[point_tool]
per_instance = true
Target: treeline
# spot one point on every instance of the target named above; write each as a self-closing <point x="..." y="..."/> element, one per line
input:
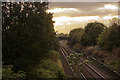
<point x="96" y="33"/>
<point x="98" y="41"/>
<point x="29" y="41"/>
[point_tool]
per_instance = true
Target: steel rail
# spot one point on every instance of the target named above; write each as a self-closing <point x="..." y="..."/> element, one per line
<point x="67" y="62"/>
<point x="73" y="62"/>
<point x="101" y="76"/>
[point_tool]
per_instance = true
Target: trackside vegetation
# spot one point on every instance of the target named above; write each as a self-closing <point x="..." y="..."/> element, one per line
<point x="98" y="41"/>
<point x="30" y="47"/>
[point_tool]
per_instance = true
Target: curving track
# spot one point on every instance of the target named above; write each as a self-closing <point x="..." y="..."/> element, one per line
<point x="88" y="70"/>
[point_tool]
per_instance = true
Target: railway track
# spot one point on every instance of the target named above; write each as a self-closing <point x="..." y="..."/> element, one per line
<point x="88" y="70"/>
<point x="67" y="63"/>
<point x="112" y="75"/>
<point x="75" y="74"/>
<point x="64" y="54"/>
<point x="109" y="75"/>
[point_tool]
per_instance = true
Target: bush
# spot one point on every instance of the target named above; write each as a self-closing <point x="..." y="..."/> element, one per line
<point x="92" y="30"/>
<point x="7" y="73"/>
<point x="89" y="50"/>
<point x="47" y="69"/>
<point x="75" y="36"/>
<point x="116" y="53"/>
<point x="54" y="55"/>
<point x="78" y="47"/>
<point x="28" y="35"/>
<point x="109" y="39"/>
<point x="95" y="52"/>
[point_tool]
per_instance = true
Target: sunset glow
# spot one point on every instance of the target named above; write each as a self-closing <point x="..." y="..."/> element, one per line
<point x="62" y="10"/>
<point x="109" y="6"/>
<point x="109" y="17"/>
<point x="68" y="17"/>
<point x="65" y="20"/>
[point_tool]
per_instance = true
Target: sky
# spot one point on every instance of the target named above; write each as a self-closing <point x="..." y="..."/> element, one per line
<point x="70" y="15"/>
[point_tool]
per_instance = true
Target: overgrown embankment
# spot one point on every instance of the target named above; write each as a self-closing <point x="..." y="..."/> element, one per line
<point x="29" y="41"/>
<point x="98" y="41"/>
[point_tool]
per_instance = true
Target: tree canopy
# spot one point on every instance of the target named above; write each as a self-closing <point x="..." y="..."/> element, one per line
<point x="28" y="34"/>
<point x="88" y="35"/>
<point x="75" y="35"/>
<point x="92" y="30"/>
<point x="109" y="39"/>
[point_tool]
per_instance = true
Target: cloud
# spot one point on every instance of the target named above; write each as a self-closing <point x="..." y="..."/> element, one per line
<point x="81" y="18"/>
<point x="109" y="17"/>
<point x="109" y="6"/>
<point x="65" y="20"/>
<point x="68" y="16"/>
<point x="57" y="23"/>
<point x="56" y="10"/>
<point x="68" y="23"/>
<point x="62" y="27"/>
<point x="84" y="9"/>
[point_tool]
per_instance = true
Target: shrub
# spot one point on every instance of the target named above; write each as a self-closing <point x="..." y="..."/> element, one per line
<point x="47" y="69"/>
<point x="75" y="36"/>
<point x="92" y="30"/>
<point x="54" y="55"/>
<point x="116" y="53"/>
<point x="7" y="73"/>
<point x="78" y="47"/>
<point x="89" y="50"/>
<point x="109" y="39"/>
<point x="95" y="52"/>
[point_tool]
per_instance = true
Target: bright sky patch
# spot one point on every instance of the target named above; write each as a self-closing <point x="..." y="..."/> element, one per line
<point x="62" y="10"/>
<point x="109" y="6"/>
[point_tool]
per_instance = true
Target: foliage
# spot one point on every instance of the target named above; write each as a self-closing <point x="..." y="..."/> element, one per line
<point x="47" y="69"/>
<point x="74" y="62"/>
<point x="61" y="35"/>
<point x="114" y="64"/>
<point x="28" y="35"/>
<point x="109" y="39"/>
<point x="88" y="35"/>
<point x="54" y="55"/>
<point x="100" y="42"/>
<point x="7" y="73"/>
<point x="92" y="30"/>
<point x="113" y="20"/>
<point x="75" y="36"/>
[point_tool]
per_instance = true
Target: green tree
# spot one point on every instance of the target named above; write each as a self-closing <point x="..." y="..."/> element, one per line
<point x="75" y="36"/>
<point x="109" y="39"/>
<point x="92" y="30"/>
<point x="28" y="34"/>
<point x="7" y="73"/>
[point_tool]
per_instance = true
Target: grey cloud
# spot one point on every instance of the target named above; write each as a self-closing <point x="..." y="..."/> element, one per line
<point x="80" y="5"/>
<point x="85" y="8"/>
<point x="88" y="13"/>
